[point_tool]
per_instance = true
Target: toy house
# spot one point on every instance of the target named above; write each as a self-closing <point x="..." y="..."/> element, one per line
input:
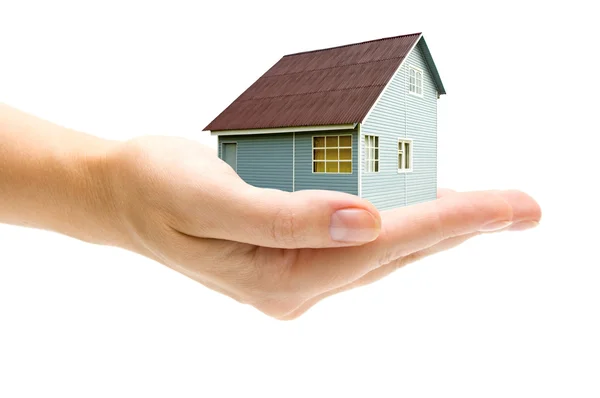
<point x="359" y="118"/>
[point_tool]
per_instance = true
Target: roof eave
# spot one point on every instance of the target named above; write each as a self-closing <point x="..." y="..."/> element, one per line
<point x="277" y="130"/>
<point x="434" y="72"/>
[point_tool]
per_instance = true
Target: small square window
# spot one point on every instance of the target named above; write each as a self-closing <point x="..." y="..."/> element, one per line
<point x="332" y="154"/>
<point x="345" y="167"/>
<point x="331" y="167"/>
<point x="345" y="141"/>
<point x="332" y="142"/>
<point x="319" y="142"/>
<point x="345" y="153"/>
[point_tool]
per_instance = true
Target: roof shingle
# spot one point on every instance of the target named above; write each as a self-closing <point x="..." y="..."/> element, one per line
<point x="337" y="85"/>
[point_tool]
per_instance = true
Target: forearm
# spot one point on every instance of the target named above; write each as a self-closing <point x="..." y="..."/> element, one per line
<point x="56" y="179"/>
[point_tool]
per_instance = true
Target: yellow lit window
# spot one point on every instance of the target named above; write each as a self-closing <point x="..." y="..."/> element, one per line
<point x="332" y="154"/>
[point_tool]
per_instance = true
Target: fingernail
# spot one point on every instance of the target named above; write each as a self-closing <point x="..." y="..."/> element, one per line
<point x="523" y="225"/>
<point x="495" y="226"/>
<point x="353" y="225"/>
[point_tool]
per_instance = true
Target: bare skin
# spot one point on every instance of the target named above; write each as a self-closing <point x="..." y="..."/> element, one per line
<point x="172" y="200"/>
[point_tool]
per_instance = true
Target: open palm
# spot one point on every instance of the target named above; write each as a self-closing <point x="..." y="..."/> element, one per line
<point x="283" y="252"/>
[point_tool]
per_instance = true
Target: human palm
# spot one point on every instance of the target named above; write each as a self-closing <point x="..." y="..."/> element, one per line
<point x="283" y="252"/>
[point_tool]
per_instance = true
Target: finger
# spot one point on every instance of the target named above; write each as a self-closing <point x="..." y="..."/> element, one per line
<point x="527" y="215"/>
<point x="410" y="229"/>
<point x="278" y="219"/>
<point x="381" y="272"/>
<point x="441" y="192"/>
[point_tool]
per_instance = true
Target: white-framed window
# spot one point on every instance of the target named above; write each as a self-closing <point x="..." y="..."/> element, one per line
<point x="332" y="154"/>
<point x="415" y="81"/>
<point x="371" y="154"/>
<point x="404" y="155"/>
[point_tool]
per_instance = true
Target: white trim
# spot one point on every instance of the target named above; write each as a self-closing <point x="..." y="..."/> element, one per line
<point x="406" y="77"/>
<point x="329" y="127"/>
<point x="411" y="157"/>
<point x="416" y="69"/>
<point x="392" y="78"/>
<point x="236" y="152"/>
<point x="377" y="159"/>
<point x="312" y="155"/>
<point x="294" y="161"/>
<point x="359" y="135"/>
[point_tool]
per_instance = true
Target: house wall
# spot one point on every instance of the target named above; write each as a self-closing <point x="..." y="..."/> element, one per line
<point x="264" y="160"/>
<point x="399" y="114"/>
<point x="306" y="179"/>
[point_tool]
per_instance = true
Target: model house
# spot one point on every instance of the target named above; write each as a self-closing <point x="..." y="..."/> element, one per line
<point x="359" y="118"/>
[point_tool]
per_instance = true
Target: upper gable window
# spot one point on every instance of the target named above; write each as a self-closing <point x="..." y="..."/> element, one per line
<point x="332" y="154"/>
<point x="415" y="82"/>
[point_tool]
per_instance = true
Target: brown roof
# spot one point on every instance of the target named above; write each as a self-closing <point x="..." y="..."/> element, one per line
<point x="331" y="86"/>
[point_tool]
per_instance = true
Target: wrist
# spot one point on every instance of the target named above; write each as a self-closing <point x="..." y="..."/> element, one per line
<point x="101" y="165"/>
<point x="90" y="195"/>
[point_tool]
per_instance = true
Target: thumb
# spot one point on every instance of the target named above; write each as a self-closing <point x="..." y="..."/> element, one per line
<point x="302" y="219"/>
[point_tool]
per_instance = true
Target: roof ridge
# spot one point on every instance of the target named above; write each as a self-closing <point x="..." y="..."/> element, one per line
<point x="333" y="67"/>
<point x="353" y="44"/>
<point x="312" y="92"/>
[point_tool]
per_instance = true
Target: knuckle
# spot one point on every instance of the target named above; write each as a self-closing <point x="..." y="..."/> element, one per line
<point x="401" y="262"/>
<point x="439" y="227"/>
<point x="284" y="227"/>
<point x="273" y="271"/>
<point x="387" y="257"/>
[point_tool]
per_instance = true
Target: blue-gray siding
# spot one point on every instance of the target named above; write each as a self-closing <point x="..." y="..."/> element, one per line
<point x="306" y="179"/>
<point x="396" y="115"/>
<point x="264" y="160"/>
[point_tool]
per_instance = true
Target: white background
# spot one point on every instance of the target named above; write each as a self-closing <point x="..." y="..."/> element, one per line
<point x="509" y="315"/>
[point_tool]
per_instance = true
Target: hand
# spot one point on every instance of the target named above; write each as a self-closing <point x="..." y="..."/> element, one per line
<point x="277" y="251"/>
